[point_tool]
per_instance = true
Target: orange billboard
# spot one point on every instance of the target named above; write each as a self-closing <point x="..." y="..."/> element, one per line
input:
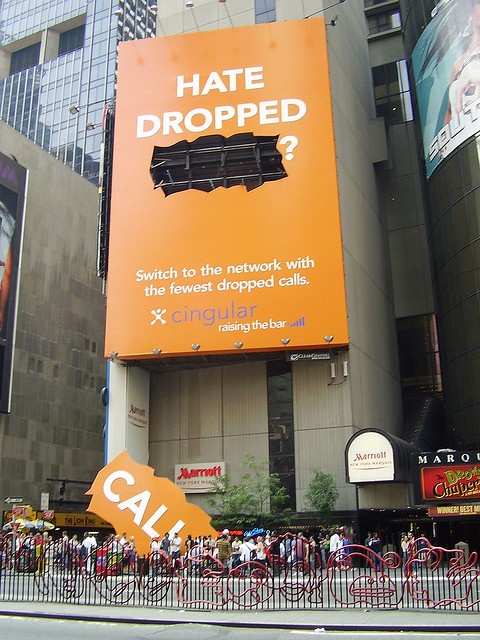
<point x="225" y="227"/>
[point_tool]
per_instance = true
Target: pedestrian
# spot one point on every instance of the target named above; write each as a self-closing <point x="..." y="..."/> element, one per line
<point x="405" y="548"/>
<point x="73" y="549"/>
<point x="64" y="548"/>
<point x="130" y="552"/>
<point x="155" y="548"/>
<point x="376" y="546"/>
<point x="188" y="544"/>
<point x="260" y="551"/>
<point x="334" y="541"/>
<point x="236" y="544"/>
<point x="165" y="543"/>
<point x="325" y="550"/>
<point x="89" y="544"/>
<point x="300" y="551"/>
<point x="312" y="552"/>
<point x="175" y="550"/>
<point x="343" y="544"/>
<point x="224" y="552"/>
<point x="288" y="548"/>
<point x="247" y="550"/>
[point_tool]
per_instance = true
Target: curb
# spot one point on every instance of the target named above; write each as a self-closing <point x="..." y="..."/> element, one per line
<point x="83" y="615"/>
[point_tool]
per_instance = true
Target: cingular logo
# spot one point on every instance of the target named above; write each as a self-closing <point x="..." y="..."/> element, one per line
<point x="206" y="316"/>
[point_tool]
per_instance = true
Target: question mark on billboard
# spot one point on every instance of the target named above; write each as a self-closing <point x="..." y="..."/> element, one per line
<point x="291" y="142"/>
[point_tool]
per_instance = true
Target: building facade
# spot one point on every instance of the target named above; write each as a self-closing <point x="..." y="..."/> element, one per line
<point x="51" y="436"/>
<point x="300" y="414"/>
<point x="57" y="71"/>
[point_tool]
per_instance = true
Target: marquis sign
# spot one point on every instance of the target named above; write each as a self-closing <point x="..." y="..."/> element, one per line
<point x="135" y="501"/>
<point x="449" y="476"/>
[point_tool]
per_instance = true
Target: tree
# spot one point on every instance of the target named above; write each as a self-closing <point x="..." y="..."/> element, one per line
<point x="322" y="494"/>
<point x="256" y="500"/>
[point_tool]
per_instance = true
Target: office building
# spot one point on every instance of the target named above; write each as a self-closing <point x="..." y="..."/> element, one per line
<point x="57" y="73"/>
<point x="215" y="403"/>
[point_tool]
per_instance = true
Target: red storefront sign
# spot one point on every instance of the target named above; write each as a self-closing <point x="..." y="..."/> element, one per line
<point x="450" y="483"/>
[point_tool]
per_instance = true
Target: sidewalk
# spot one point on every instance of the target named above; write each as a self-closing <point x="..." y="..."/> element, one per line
<point x="338" y="620"/>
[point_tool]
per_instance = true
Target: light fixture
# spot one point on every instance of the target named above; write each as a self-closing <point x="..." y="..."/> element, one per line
<point x="333" y="374"/>
<point x="75" y="108"/>
<point x="113" y="354"/>
<point x="90" y="126"/>
<point x="238" y="345"/>
<point x="189" y="4"/>
<point x="328" y="339"/>
<point x="118" y="12"/>
<point x="333" y="21"/>
<point x="156" y="352"/>
<point x="285" y="341"/>
<point x="195" y="346"/>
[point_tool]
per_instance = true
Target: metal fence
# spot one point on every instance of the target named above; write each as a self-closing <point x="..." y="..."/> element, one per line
<point x="353" y="576"/>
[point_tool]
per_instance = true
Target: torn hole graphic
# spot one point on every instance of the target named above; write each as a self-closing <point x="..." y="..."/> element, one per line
<point x="214" y="161"/>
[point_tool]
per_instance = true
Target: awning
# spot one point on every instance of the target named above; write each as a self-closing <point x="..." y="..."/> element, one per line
<point x="372" y="455"/>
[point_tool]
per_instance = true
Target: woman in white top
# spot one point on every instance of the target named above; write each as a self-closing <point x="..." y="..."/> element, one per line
<point x="261" y="555"/>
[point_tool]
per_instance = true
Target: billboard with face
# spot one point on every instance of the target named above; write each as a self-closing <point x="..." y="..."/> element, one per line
<point x="446" y="66"/>
<point x="225" y="227"/>
<point x="12" y="200"/>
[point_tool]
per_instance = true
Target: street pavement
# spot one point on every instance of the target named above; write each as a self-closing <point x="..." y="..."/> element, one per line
<point x="315" y="620"/>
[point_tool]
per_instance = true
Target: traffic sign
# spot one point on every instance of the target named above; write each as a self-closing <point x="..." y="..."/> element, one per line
<point x="13" y="500"/>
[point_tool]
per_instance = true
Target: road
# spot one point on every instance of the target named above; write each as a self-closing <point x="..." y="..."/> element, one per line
<point x="23" y="628"/>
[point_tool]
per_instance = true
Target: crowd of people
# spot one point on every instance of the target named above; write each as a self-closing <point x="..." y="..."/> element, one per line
<point x="170" y="553"/>
<point x="41" y="551"/>
<point x="297" y="550"/>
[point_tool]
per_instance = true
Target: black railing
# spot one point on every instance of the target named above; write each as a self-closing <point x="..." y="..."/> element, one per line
<point x="353" y="576"/>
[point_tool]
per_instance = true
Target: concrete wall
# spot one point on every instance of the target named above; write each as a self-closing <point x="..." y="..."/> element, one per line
<point x="217" y="414"/>
<point x="403" y="201"/>
<point x="55" y="426"/>
<point x="374" y="380"/>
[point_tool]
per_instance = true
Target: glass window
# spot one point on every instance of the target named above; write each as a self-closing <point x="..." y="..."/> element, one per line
<point x="25" y="58"/>
<point x="280" y="425"/>
<point x="71" y="40"/>
<point x="418" y="353"/>
<point x="380" y="22"/>
<point x="392" y="92"/>
<point x="265" y="11"/>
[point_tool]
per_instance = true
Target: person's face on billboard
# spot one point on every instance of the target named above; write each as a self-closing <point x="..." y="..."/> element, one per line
<point x="476" y="16"/>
